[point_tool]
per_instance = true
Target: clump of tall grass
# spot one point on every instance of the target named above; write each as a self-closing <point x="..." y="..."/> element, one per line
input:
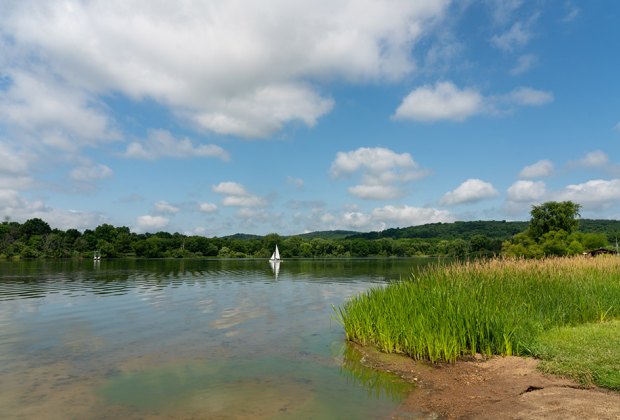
<point x="491" y="307"/>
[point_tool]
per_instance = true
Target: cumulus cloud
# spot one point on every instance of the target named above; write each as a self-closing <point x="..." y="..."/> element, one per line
<point x="596" y="194"/>
<point x="540" y="169"/>
<point x="148" y="223"/>
<point x="235" y="67"/>
<point x="444" y="101"/>
<point x="526" y="191"/>
<point x="161" y="144"/>
<point x="595" y="159"/>
<point x="207" y="207"/>
<point x="165" y="207"/>
<point x="236" y="195"/>
<point x="470" y="191"/>
<point x="91" y="172"/>
<point x="385" y="173"/>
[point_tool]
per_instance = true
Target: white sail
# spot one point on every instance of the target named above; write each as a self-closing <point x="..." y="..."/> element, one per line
<point x="276" y="255"/>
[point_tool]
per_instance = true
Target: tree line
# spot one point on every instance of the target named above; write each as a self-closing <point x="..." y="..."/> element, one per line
<point x="543" y="235"/>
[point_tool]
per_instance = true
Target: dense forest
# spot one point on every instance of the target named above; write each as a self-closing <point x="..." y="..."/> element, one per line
<point x="36" y="239"/>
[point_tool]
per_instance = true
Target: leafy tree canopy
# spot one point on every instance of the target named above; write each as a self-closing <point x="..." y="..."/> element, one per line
<point x="553" y="216"/>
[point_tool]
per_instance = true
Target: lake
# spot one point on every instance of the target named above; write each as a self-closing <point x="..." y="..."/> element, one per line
<point x="168" y="339"/>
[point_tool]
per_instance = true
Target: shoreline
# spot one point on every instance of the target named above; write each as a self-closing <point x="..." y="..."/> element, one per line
<point x="508" y="387"/>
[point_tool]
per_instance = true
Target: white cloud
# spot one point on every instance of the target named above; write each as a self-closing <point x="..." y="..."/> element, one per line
<point x="389" y="216"/>
<point x="524" y="64"/>
<point x="230" y="188"/>
<point x="527" y="96"/>
<point x="517" y="36"/>
<point x="356" y="220"/>
<point x="444" y="101"/>
<point x="55" y="114"/>
<point x="207" y="207"/>
<point x="15" y="168"/>
<point x="376" y="192"/>
<point x="526" y="191"/>
<point x="410" y="216"/>
<point x="17" y="208"/>
<point x="384" y="172"/>
<point x="16" y="182"/>
<point x="235" y="67"/>
<point x="148" y="223"/>
<point x="161" y="144"/>
<point x="243" y="201"/>
<point x="593" y="195"/>
<point x="13" y="162"/>
<point x="165" y="207"/>
<point x="540" y="169"/>
<point x="617" y="127"/>
<point x="237" y="195"/>
<point x="12" y="202"/>
<point x="470" y="191"/>
<point x="91" y="172"/>
<point x="595" y="159"/>
<point x="263" y="112"/>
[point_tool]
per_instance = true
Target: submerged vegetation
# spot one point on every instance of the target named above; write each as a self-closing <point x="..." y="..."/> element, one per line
<point x="493" y="307"/>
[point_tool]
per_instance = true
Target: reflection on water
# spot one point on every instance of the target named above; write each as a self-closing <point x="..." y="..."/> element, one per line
<point x="197" y="338"/>
<point x="275" y="267"/>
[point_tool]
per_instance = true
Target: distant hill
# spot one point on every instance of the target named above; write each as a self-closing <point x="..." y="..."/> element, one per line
<point x="324" y="234"/>
<point x="494" y="229"/>
<point x="456" y="230"/>
<point x="609" y="227"/>
<point x="327" y="234"/>
<point x="491" y="228"/>
<point x="242" y="236"/>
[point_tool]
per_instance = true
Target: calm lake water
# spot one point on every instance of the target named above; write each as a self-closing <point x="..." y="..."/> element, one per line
<point x="188" y="339"/>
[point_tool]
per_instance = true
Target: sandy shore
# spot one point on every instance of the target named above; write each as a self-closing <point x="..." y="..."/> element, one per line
<point x="498" y="388"/>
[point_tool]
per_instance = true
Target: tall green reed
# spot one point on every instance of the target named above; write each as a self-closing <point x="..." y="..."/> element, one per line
<point x="490" y="307"/>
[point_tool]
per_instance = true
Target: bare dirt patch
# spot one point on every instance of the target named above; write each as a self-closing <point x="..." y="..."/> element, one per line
<point x="501" y="387"/>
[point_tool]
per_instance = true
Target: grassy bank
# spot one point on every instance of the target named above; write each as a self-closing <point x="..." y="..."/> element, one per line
<point x="588" y="353"/>
<point x="495" y="307"/>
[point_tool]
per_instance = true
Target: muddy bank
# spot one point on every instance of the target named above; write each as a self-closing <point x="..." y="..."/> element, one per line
<point x="503" y="387"/>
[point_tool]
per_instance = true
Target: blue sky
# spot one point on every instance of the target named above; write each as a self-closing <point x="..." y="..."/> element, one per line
<point x="217" y="117"/>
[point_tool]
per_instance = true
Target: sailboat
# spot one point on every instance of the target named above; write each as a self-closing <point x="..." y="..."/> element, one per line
<point x="275" y="256"/>
<point x="274" y="262"/>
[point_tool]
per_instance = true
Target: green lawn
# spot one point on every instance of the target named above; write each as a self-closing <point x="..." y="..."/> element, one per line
<point x="588" y="353"/>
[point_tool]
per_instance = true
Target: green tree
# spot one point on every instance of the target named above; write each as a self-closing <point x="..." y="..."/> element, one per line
<point x="34" y="226"/>
<point x="553" y="216"/>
